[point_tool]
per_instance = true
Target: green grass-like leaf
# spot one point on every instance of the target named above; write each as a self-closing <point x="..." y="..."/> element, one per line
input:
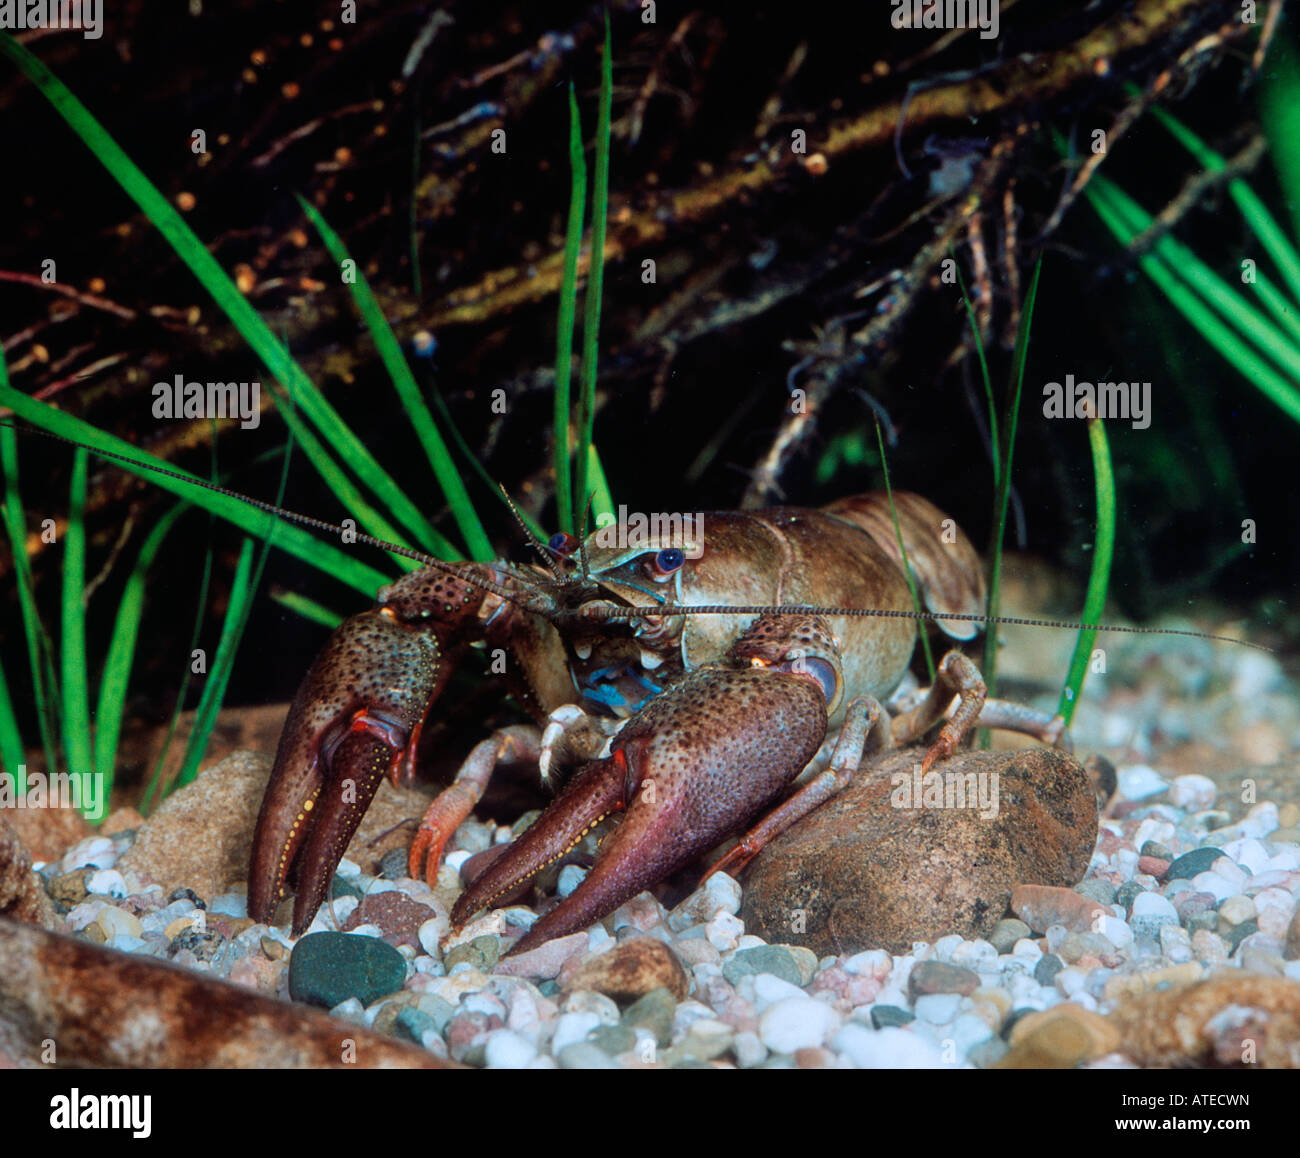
<point x="40" y="653"/>
<point x="308" y="608"/>
<point x="121" y="652"/>
<point x="243" y="317"/>
<point x="417" y="411"/>
<point x="1094" y="604"/>
<point x="1193" y="288"/>
<point x="595" y="275"/>
<point x="290" y="539"/>
<point x="72" y="635"/>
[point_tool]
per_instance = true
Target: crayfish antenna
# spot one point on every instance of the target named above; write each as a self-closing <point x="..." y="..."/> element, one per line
<point x="533" y="599"/>
<point x="610" y="611"/>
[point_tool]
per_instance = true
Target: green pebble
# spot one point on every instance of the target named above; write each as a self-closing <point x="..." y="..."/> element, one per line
<point x="1046" y="970"/>
<point x="1237" y="933"/>
<point x="612" y="1039"/>
<point x="1156" y="849"/>
<point x="1100" y="891"/>
<point x="887" y="1016"/>
<point x="762" y="959"/>
<point x="1189" y="864"/>
<point x="654" y="1012"/>
<point x="342" y="887"/>
<point x="482" y="952"/>
<point x="1006" y="933"/>
<point x="326" y="969"/>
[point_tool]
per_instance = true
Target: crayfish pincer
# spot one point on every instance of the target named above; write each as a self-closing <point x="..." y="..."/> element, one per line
<point x="689" y="685"/>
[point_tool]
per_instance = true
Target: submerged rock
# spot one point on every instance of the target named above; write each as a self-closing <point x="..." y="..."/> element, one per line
<point x="864" y="871"/>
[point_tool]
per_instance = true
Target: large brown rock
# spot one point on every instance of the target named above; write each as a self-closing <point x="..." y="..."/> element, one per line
<point x="869" y="871"/>
<point x="202" y="835"/>
<point x="64" y="1001"/>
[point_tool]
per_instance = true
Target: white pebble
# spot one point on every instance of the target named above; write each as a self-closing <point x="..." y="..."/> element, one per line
<point x="1027" y="947"/>
<point x="455" y="859"/>
<point x="720" y="893"/>
<point x="1193" y="792"/>
<point x="430" y="933"/>
<point x="887" y="1049"/>
<point x="943" y="948"/>
<point x="967" y="1032"/>
<point x="1249" y="852"/>
<point x="1153" y="905"/>
<point x="236" y="904"/>
<point x="106" y="882"/>
<point x="770" y="989"/>
<point x="571" y="1027"/>
<point x="724" y="930"/>
<point x="1230" y="870"/>
<point x="1138" y="781"/>
<point x="749" y="1050"/>
<point x="571" y="876"/>
<point x="506" y="1049"/>
<point x="937" y="1008"/>
<point x="796" y="1023"/>
<point x="872" y="963"/>
<point x="79" y="916"/>
<point x="1214" y="884"/>
<point x="93" y="852"/>
<point x="1116" y="931"/>
<point x="351" y="1010"/>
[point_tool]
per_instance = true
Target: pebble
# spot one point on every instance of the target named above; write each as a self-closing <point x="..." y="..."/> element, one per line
<point x="749" y="1049"/>
<point x="769" y="959"/>
<point x="724" y="931"/>
<point x="1046" y="970"/>
<point x="1139" y="782"/>
<point x="117" y="922"/>
<point x="885" y="1049"/>
<point x="1236" y="910"/>
<point x="572" y="1027"/>
<point x="1193" y="792"/>
<point x="505" y="1049"/>
<point x="937" y="1008"/>
<point x="571" y="876"/>
<point x="1191" y="864"/>
<point x="719" y="894"/>
<point x="933" y="977"/>
<point x="654" y="1012"/>
<point x="481" y="953"/>
<point x="328" y="968"/>
<point x="585" y="1055"/>
<point x="796" y="1023"/>
<point x="885" y="1016"/>
<point x="632" y="969"/>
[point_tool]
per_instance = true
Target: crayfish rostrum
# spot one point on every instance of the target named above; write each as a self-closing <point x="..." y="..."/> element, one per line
<point x="693" y="683"/>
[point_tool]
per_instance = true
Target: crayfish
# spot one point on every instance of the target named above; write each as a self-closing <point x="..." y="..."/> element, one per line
<point x="691" y="684"/>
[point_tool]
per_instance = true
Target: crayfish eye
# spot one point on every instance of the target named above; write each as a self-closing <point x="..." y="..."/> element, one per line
<point x="666" y="562"/>
<point x="562" y="543"/>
